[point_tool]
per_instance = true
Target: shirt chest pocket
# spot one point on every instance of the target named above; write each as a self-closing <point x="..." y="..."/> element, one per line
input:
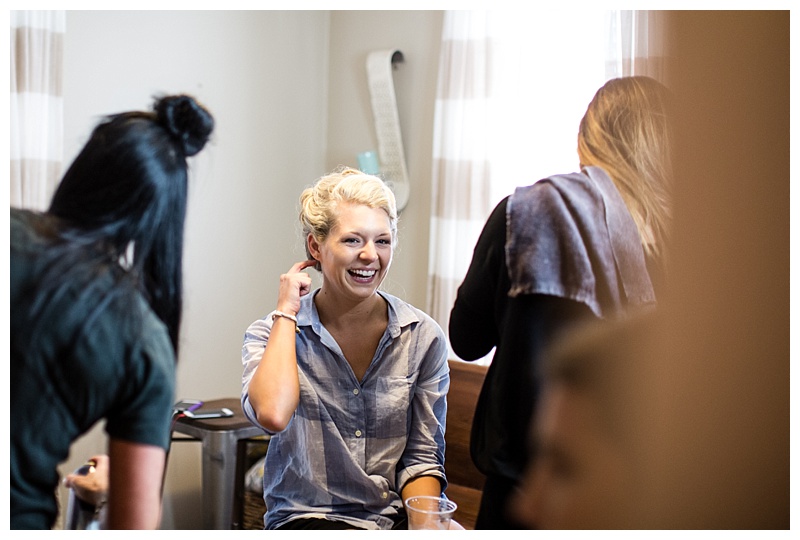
<point x="392" y="399"/>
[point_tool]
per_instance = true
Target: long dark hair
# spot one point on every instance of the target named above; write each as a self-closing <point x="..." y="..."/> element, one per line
<point x="120" y="210"/>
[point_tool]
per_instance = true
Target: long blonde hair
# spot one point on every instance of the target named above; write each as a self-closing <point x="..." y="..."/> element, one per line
<point x="626" y="132"/>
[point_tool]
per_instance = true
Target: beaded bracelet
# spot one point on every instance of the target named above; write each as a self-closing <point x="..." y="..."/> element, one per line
<point x="286" y="316"/>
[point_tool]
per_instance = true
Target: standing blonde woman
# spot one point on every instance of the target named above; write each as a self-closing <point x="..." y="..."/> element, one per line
<point x="350" y="381"/>
<point x="568" y="248"/>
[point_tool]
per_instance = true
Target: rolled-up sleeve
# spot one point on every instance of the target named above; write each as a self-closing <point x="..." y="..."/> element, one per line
<point x="255" y="341"/>
<point x="424" y="452"/>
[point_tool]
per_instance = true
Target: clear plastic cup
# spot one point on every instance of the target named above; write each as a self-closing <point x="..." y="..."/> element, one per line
<point x="429" y="513"/>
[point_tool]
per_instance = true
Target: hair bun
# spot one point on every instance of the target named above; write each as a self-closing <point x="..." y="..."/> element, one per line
<point x="186" y="120"/>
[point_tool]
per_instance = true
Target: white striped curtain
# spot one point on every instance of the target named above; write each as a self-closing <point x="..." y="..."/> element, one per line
<point x="460" y="176"/>
<point x="36" y="115"/>
<point x="499" y="69"/>
<point x="636" y="44"/>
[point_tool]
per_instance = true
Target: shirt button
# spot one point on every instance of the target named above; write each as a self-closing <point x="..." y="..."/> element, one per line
<point x="358" y="433"/>
<point x="355" y="391"/>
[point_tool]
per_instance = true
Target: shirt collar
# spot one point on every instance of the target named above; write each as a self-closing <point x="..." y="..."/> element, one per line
<point x="401" y="314"/>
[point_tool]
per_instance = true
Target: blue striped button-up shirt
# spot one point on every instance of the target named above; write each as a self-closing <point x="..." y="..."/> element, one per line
<point x="351" y="446"/>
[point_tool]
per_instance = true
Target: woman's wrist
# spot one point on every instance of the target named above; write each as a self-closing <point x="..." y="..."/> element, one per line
<point x="278" y="314"/>
<point x="287" y="308"/>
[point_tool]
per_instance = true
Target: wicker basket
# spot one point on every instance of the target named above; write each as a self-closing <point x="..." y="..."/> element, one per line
<point x="253" y="506"/>
<point x="253" y="511"/>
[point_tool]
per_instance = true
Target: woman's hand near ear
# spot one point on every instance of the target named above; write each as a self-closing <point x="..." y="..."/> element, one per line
<point x="294" y="284"/>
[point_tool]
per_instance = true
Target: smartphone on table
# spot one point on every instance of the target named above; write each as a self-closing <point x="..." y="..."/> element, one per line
<point x="222" y="412"/>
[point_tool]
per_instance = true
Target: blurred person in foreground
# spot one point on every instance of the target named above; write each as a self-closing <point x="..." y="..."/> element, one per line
<point x="680" y="418"/>
<point x="96" y="296"/>
<point x="584" y="436"/>
<point x="568" y="248"/>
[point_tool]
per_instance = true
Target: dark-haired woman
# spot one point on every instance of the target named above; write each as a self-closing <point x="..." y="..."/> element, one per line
<point x="96" y="293"/>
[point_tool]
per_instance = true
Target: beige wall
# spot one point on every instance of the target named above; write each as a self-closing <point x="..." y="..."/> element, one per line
<point x="354" y="34"/>
<point x="290" y="104"/>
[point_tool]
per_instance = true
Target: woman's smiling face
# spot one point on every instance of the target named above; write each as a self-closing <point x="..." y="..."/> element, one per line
<point x="357" y="253"/>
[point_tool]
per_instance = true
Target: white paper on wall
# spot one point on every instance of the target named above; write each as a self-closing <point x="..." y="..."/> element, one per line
<point x="387" y="122"/>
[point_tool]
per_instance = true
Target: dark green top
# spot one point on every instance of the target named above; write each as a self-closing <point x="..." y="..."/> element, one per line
<point x="76" y="374"/>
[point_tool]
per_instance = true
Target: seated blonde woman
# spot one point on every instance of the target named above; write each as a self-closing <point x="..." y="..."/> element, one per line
<point x="350" y="381"/>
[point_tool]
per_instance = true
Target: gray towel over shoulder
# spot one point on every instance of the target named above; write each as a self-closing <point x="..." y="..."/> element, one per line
<point x="572" y="236"/>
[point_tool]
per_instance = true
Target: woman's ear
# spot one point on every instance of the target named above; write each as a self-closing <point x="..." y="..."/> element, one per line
<point x="312" y="248"/>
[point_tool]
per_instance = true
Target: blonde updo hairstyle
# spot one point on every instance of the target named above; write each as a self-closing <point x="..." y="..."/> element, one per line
<point x="319" y="203"/>
<point x="626" y="132"/>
